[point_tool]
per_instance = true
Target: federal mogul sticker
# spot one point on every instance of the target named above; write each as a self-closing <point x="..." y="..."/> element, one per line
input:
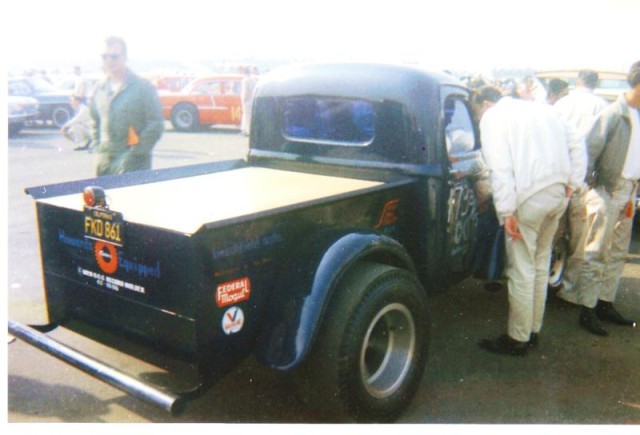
<point x="232" y="292"/>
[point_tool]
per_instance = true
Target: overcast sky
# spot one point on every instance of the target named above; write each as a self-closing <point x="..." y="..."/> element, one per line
<point x="455" y="34"/>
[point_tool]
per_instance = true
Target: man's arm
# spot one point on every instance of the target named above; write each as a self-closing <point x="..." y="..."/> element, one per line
<point x="595" y="143"/>
<point x="496" y="153"/>
<point x="578" y="158"/>
<point x="153" y="126"/>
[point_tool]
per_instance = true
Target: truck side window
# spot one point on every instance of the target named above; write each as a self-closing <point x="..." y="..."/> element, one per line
<point x="458" y="125"/>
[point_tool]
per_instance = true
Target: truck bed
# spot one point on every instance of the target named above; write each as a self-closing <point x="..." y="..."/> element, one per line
<point x="220" y="196"/>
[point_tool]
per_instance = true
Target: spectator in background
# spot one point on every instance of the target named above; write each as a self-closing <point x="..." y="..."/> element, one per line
<point x="80" y="87"/>
<point x="579" y="110"/>
<point x="78" y="128"/>
<point x="533" y="163"/>
<point x="613" y="145"/>
<point x="556" y="89"/>
<point x="127" y="115"/>
<point x="249" y="83"/>
<point x="527" y="89"/>
<point x="509" y="88"/>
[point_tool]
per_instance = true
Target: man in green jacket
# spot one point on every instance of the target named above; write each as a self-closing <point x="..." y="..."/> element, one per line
<point x="612" y="173"/>
<point x="127" y="115"/>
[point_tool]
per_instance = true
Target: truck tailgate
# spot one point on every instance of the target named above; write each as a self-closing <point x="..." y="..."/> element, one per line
<point x="219" y="196"/>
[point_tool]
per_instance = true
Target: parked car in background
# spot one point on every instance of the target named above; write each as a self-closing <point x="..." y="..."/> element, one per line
<point x="20" y="110"/>
<point x="53" y="103"/>
<point x="68" y="83"/>
<point x="212" y="100"/>
<point x="611" y="83"/>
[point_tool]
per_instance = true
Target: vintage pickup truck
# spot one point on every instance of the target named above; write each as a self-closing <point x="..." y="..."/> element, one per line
<point x="315" y="254"/>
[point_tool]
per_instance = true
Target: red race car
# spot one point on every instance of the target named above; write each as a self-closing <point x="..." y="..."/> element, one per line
<point x="205" y="101"/>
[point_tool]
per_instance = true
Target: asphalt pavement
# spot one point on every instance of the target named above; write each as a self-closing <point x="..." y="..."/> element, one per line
<point x="572" y="378"/>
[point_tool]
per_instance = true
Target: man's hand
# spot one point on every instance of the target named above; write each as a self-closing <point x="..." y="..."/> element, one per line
<point x="569" y="191"/>
<point x="511" y="227"/>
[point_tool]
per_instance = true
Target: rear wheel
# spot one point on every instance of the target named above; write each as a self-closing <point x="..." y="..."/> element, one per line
<point x="370" y="355"/>
<point x="184" y="117"/>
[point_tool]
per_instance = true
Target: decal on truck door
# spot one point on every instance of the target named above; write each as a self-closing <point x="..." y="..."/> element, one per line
<point x="389" y="215"/>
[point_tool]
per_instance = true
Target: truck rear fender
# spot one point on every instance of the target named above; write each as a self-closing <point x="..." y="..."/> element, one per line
<point x="294" y="322"/>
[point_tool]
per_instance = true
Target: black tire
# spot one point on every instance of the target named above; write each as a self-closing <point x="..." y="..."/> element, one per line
<point x="60" y="115"/>
<point x="370" y="354"/>
<point x="184" y="117"/>
<point x="559" y="256"/>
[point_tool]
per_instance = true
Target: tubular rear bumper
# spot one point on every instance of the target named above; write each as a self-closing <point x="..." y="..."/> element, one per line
<point x="171" y="402"/>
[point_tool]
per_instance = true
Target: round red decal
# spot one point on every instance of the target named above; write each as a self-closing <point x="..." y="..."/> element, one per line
<point x="106" y="257"/>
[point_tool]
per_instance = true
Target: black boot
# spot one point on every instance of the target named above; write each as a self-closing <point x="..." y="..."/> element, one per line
<point x="589" y="321"/>
<point x="606" y="312"/>
<point x="505" y="345"/>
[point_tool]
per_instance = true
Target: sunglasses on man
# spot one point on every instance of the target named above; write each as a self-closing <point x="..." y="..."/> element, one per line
<point x="111" y="57"/>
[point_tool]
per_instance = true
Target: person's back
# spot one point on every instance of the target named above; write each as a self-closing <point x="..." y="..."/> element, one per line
<point x="529" y="146"/>
<point x="579" y="109"/>
<point x="532" y="160"/>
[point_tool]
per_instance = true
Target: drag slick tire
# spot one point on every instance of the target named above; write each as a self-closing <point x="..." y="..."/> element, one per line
<point x="371" y="351"/>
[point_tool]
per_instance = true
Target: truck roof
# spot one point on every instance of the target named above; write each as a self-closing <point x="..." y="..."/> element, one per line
<point x="376" y="81"/>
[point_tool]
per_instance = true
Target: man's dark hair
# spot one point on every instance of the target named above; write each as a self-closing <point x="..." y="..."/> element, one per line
<point x="589" y="78"/>
<point x="556" y="86"/>
<point x="634" y="75"/>
<point x="487" y="93"/>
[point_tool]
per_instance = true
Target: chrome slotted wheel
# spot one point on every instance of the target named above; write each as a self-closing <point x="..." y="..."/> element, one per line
<point x="388" y="350"/>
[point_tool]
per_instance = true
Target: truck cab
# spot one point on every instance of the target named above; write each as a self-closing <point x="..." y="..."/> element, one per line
<point x="391" y="120"/>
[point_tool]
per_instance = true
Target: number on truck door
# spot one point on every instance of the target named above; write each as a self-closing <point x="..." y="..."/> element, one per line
<point x="465" y="165"/>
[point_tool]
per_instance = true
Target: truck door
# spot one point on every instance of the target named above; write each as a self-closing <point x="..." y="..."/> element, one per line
<point x="466" y="169"/>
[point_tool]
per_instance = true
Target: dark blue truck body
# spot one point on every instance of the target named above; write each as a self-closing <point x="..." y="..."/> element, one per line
<point x="351" y="177"/>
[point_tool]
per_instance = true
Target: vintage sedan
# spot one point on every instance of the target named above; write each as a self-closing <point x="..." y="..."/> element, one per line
<point x="54" y="104"/>
<point x="207" y="101"/>
<point x="21" y="110"/>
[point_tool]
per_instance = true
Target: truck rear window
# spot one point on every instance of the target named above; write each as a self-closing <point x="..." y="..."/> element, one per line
<point x="330" y="121"/>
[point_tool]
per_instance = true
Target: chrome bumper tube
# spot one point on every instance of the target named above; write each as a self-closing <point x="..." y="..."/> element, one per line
<point x="170" y="402"/>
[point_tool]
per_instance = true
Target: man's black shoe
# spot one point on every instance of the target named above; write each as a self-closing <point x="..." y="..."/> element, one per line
<point x="81" y="148"/>
<point x="534" y="339"/>
<point x="505" y="345"/>
<point x="589" y="321"/>
<point x="606" y="312"/>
